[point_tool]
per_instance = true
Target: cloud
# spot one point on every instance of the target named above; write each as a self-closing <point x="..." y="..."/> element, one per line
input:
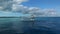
<point x="7" y="4"/>
<point x="34" y="10"/>
<point x="16" y="6"/>
<point x="50" y="12"/>
<point x="19" y="1"/>
<point x="20" y="8"/>
<point x="42" y="12"/>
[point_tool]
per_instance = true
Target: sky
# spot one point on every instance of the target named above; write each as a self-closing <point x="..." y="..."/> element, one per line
<point x="43" y="3"/>
<point x="36" y="7"/>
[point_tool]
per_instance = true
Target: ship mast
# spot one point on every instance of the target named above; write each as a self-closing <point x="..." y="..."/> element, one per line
<point x="32" y="19"/>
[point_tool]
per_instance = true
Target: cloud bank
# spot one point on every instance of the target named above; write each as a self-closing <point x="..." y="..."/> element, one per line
<point x="8" y="4"/>
<point x="5" y="4"/>
<point x="16" y="6"/>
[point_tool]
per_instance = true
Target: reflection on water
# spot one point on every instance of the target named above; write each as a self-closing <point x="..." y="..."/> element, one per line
<point x="39" y="26"/>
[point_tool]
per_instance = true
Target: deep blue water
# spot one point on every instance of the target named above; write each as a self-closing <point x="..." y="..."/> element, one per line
<point x="41" y="25"/>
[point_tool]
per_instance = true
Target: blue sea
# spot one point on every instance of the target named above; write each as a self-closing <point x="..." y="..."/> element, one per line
<point x="41" y="25"/>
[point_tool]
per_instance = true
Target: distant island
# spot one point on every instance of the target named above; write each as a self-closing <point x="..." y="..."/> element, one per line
<point x="9" y="17"/>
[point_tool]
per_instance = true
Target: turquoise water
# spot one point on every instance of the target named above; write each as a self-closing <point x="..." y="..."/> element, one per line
<point x="7" y="22"/>
<point x="41" y="25"/>
<point x="12" y="25"/>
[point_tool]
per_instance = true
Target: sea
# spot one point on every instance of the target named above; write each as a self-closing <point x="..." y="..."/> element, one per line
<point x="40" y="25"/>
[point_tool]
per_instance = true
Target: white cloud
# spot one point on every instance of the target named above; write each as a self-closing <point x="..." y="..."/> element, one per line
<point x="19" y="1"/>
<point x="42" y="12"/>
<point x="50" y="12"/>
<point x="15" y="5"/>
<point x="1" y="8"/>
<point x="34" y="10"/>
<point x="20" y="8"/>
<point x="7" y="4"/>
